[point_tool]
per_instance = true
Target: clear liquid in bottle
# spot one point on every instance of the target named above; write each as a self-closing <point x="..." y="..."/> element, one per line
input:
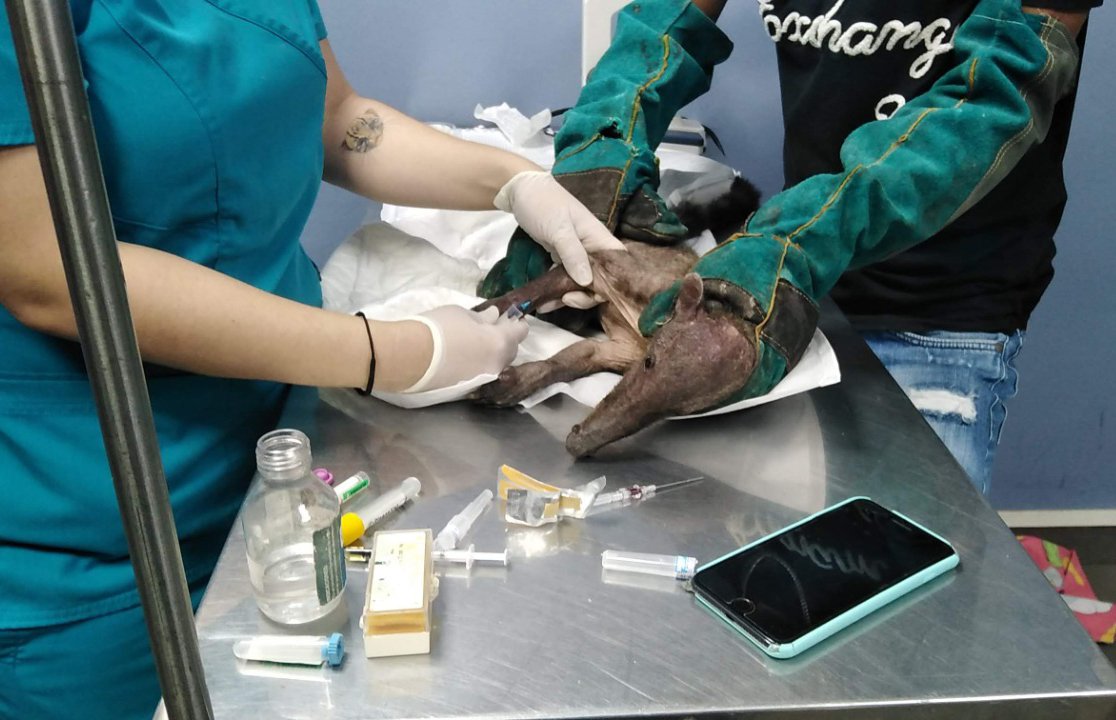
<point x="292" y="533"/>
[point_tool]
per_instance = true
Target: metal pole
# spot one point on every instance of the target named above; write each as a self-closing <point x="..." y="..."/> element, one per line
<point x="43" y="32"/>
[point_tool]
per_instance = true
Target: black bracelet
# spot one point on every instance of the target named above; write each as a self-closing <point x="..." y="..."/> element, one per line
<point x="371" y="363"/>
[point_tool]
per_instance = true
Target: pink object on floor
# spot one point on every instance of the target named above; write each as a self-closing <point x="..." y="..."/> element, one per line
<point x="1062" y="568"/>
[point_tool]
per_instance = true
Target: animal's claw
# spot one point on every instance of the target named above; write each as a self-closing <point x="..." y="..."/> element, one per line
<point x="505" y="391"/>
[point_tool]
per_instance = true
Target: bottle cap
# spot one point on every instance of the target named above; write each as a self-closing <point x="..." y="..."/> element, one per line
<point x="324" y="475"/>
<point x="334" y="650"/>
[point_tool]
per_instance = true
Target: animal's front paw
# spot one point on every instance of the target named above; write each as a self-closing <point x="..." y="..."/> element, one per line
<point x="505" y="391"/>
<point x="518" y="382"/>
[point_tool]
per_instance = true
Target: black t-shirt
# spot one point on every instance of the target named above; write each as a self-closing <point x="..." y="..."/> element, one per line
<point x="843" y="63"/>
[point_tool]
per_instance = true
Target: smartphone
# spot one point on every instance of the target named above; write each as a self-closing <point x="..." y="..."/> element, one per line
<point x="792" y="589"/>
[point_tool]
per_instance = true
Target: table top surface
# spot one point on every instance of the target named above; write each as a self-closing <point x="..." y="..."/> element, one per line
<point x="553" y="635"/>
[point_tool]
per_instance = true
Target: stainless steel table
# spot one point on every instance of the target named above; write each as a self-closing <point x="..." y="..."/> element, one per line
<point x="553" y="636"/>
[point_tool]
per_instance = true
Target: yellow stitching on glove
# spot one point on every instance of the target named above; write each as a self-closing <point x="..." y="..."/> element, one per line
<point x="644" y="86"/>
<point x="579" y="148"/>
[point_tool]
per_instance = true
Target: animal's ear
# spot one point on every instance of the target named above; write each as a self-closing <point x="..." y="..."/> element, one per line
<point x="690" y="295"/>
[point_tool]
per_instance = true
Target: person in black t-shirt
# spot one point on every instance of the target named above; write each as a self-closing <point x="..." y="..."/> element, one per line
<point x="948" y="316"/>
<point x="923" y="153"/>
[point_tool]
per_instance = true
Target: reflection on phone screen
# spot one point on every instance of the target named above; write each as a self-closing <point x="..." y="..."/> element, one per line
<point x="800" y="579"/>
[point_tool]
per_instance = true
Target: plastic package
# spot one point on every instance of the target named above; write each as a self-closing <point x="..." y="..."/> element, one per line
<point x="534" y="503"/>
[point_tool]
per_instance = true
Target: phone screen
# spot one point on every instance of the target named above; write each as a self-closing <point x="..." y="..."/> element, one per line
<point x="797" y="580"/>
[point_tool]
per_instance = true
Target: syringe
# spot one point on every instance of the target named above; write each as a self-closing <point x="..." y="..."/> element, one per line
<point x="637" y="492"/>
<point x="460" y="523"/>
<point x="468" y="556"/>
<point x="680" y="567"/>
<point x="292" y="649"/>
<point x="365" y="515"/>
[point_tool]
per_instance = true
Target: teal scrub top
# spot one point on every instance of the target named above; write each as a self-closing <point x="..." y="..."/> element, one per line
<point x="208" y="118"/>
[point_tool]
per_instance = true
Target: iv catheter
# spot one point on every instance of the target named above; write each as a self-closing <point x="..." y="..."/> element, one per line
<point x="365" y="515"/>
<point x="460" y="523"/>
<point x="517" y="311"/>
<point x="637" y="492"/>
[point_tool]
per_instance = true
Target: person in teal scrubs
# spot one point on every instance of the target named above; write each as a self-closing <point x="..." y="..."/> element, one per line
<point x="216" y="122"/>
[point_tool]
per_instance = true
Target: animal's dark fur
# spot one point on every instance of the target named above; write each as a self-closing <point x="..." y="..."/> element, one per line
<point x="724" y="214"/>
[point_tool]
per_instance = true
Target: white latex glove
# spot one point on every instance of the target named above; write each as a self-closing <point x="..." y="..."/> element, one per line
<point x="557" y="221"/>
<point x="467" y="344"/>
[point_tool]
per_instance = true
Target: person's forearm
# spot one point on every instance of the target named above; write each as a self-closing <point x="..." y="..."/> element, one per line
<point x="380" y="153"/>
<point x="188" y="316"/>
<point x="712" y="8"/>
<point x="192" y="318"/>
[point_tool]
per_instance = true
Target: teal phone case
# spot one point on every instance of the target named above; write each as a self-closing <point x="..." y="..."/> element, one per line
<point x="842" y="621"/>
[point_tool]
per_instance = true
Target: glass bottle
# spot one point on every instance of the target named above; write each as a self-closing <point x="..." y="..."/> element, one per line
<point x="292" y="532"/>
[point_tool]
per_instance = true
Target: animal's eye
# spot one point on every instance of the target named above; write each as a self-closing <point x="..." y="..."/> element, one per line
<point x="649" y="362"/>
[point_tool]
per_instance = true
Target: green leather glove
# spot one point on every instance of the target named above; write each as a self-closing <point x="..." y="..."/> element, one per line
<point x="661" y="58"/>
<point x="524" y="261"/>
<point x="903" y="180"/>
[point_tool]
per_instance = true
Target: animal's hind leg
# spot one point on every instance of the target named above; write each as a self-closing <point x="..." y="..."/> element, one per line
<point x="584" y="357"/>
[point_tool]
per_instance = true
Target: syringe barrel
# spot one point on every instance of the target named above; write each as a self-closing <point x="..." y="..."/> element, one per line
<point x="371" y="511"/>
<point x="674" y="566"/>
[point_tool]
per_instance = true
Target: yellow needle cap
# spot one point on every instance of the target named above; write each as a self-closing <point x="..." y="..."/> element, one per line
<point x="352" y="527"/>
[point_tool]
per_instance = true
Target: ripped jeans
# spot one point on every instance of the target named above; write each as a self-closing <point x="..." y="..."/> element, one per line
<point x="959" y="381"/>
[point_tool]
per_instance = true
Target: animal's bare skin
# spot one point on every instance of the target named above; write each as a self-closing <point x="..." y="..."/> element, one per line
<point x="698" y="359"/>
<point x="695" y="361"/>
<point x="627" y="280"/>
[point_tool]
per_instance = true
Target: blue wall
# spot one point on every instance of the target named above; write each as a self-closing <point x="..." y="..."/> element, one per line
<point x="1059" y="445"/>
<point x="437" y="59"/>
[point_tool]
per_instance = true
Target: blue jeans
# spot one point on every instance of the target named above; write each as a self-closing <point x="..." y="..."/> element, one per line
<point x="960" y="382"/>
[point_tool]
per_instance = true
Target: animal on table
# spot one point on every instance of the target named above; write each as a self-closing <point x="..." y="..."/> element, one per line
<point x="694" y="362"/>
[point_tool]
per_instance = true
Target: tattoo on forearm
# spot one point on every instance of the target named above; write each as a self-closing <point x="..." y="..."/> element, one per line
<point x="364" y="133"/>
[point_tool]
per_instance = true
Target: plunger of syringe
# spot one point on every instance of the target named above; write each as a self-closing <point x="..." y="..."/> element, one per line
<point x="468" y="556"/>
